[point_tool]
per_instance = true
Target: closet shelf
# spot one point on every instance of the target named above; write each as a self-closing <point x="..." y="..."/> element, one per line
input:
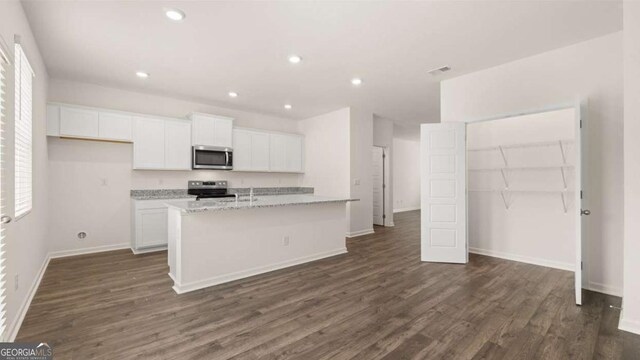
<point x="524" y="168"/>
<point x="522" y="191"/>
<point x="506" y="198"/>
<point x="523" y="145"/>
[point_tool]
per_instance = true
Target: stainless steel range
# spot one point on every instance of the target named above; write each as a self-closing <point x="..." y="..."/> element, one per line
<point x="209" y="189"/>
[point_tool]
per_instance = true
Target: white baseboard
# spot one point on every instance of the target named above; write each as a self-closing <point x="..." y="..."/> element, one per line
<point x="13" y="329"/>
<point x="353" y="234"/>
<point x="216" y="280"/>
<point x="628" y="325"/>
<point x="603" y="288"/>
<point x="406" y="209"/>
<point x="524" y="259"/>
<point x="91" y="250"/>
<point x="149" y="250"/>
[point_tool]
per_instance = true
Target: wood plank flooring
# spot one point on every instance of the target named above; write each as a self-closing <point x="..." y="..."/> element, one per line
<point x="376" y="302"/>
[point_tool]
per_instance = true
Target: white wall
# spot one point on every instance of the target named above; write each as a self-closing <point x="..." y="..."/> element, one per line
<point x="26" y="238"/>
<point x="361" y="212"/>
<point x="89" y="182"/>
<point x="516" y="232"/>
<point x="593" y="70"/>
<point x="630" y="319"/>
<point x="327" y="164"/>
<point x="406" y="175"/>
<point x="383" y="137"/>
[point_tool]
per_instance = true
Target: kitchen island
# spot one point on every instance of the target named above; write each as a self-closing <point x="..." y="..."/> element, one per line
<point x="220" y="240"/>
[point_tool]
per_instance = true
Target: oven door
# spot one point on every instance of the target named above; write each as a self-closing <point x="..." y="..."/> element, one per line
<point x="212" y="157"/>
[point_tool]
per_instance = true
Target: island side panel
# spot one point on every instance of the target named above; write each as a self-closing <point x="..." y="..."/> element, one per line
<point x="221" y="246"/>
<point x="174" y="234"/>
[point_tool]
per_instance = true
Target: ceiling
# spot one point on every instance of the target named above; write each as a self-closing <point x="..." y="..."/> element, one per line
<point x="244" y="46"/>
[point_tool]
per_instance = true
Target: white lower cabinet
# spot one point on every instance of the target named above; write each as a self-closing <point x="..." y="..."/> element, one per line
<point x="149" y="225"/>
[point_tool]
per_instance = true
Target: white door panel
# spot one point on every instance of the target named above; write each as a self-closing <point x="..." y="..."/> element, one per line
<point x="443" y="193"/>
<point x="378" y="183"/>
<point x="581" y="200"/>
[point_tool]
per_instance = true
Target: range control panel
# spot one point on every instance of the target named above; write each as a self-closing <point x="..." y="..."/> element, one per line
<point x="197" y="184"/>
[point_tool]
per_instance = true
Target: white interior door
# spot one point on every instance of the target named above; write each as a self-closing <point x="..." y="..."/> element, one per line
<point x="377" y="159"/>
<point x="581" y="200"/>
<point x="443" y="192"/>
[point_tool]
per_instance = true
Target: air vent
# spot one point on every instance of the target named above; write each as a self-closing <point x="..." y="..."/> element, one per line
<point x="440" y="70"/>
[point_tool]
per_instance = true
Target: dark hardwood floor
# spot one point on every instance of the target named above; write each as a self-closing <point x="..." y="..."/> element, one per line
<point x="376" y="302"/>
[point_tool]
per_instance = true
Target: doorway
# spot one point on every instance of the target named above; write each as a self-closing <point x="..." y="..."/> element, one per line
<point x="508" y="187"/>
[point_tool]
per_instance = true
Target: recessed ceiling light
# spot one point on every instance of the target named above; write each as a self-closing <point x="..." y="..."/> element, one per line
<point x="142" y="74"/>
<point x="233" y="94"/>
<point x="295" y="59"/>
<point x="356" y="81"/>
<point x="288" y="106"/>
<point x="175" y="14"/>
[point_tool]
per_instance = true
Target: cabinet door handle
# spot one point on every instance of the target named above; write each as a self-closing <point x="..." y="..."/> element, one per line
<point x="585" y="212"/>
<point x="4" y="219"/>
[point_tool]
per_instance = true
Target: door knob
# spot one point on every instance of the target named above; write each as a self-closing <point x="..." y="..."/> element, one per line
<point x="585" y="212"/>
<point x="5" y="219"/>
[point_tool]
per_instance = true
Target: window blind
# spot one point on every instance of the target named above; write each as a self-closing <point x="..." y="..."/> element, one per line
<point x="23" y="133"/>
<point x="3" y="319"/>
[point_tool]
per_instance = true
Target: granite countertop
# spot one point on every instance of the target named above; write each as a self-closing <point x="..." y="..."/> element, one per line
<point x="192" y="206"/>
<point x="165" y="194"/>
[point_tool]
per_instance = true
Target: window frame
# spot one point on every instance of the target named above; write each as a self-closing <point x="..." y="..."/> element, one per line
<point x="21" y="64"/>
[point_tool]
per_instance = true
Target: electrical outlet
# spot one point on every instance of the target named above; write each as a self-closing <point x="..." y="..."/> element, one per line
<point x="285" y="241"/>
<point x="356" y="182"/>
<point x="103" y="182"/>
<point x="16" y="282"/>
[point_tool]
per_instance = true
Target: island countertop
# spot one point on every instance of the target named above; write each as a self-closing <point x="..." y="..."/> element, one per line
<point x="260" y="201"/>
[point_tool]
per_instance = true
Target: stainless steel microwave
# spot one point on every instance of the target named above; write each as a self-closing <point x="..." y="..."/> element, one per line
<point x="212" y="157"/>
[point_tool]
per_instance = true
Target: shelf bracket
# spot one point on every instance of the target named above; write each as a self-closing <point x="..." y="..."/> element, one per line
<point x="504" y="178"/>
<point x="564" y="156"/>
<point x="564" y="177"/>
<point x="564" y="201"/>
<point x="504" y="200"/>
<point x="504" y="156"/>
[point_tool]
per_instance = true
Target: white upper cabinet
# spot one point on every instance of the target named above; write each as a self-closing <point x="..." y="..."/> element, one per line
<point x="286" y="153"/>
<point x="295" y="153"/>
<point x="161" y="144"/>
<point x="148" y="143"/>
<point x="211" y="130"/>
<point x="242" y="150"/>
<point x="278" y="152"/>
<point x="177" y="145"/>
<point x="260" y="151"/>
<point x="75" y="122"/>
<point x="250" y="150"/>
<point x="53" y="120"/>
<point x="113" y="126"/>
<point x="88" y="123"/>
